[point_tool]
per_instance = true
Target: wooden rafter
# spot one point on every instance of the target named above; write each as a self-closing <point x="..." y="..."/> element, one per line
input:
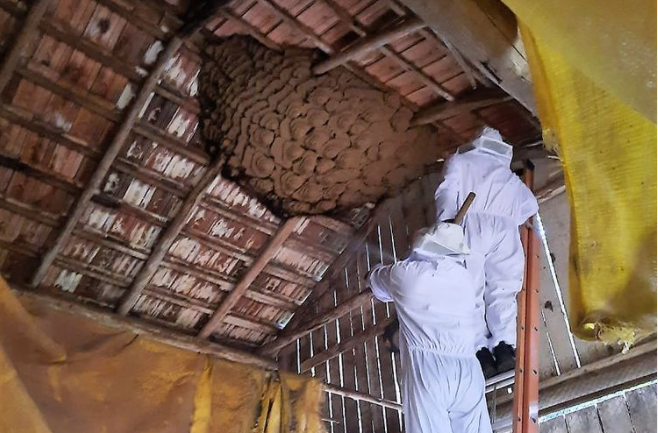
<point x="315" y="322"/>
<point x="360" y="30"/>
<point x="338" y="265"/>
<point x="370" y="43"/>
<point x="345" y="345"/>
<point x="104" y="165"/>
<point x="256" y="268"/>
<point x="196" y="20"/>
<point x="21" y="41"/>
<point x="167" y="238"/>
<point x="481" y="32"/>
<point x="428" y="34"/>
<point x="445" y="110"/>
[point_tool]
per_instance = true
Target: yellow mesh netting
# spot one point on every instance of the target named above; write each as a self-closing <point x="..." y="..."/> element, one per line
<point x="61" y="373"/>
<point x="612" y="43"/>
<point x="599" y="122"/>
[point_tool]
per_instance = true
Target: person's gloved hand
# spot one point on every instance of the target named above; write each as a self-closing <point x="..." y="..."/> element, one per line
<point x="391" y="337"/>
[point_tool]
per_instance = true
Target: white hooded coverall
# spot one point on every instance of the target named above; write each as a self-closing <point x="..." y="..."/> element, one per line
<point x="502" y="203"/>
<point x="442" y="382"/>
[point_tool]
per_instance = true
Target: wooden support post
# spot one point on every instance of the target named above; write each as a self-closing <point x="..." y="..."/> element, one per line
<point x="241" y="287"/>
<point x="316" y="322"/>
<point x="445" y="110"/>
<point x="94" y="184"/>
<point x="21" y="41"/>
<point x="349" y="344"/>
<point x="165" y="241"/>
<point x="370" y="43"/>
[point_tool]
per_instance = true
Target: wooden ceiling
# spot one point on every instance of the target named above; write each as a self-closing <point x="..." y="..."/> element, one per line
<point x="106" y="193"/>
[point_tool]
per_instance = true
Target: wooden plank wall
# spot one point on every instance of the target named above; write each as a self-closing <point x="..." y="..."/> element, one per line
<point x="369" y="367"/>
<point x="557" y="351"/>
<point x="631" y="412"/>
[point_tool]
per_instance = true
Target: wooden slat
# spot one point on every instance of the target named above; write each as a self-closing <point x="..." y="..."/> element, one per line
<point x="556" y="425"/>
<point x="21" y="41"/>
<point x="584" y="421"/>
<point x="259" y="264"/>
<point x="285" y="16"/>
<point x="316" y="322"/>
<point x="359" y="29"/>
<point x="348" y="362"/>
<point x="642" y="407"/>
<point x="93" y="185"/>
<point x="481" y="31"/>
<point x="369" y="43"/>
<point x="167" y="238"/>
<point x="323" y="288"/>
<point x="356" y="339"/>
<point x="383" y="312"/>
<point x="445" y="110"/>
<point x="614" y="415"/>
<point x="360" y="396"/>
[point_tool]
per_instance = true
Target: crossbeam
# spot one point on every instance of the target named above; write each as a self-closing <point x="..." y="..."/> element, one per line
<point x="370" y="43"/>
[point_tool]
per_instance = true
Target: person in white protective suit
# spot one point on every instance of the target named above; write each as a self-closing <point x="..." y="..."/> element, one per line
<point x="497" y="261"/>
<point x="434" y="296"/>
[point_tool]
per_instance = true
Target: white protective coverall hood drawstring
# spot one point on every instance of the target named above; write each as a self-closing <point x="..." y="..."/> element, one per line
<point x="503" y="203"/>
<point x="434" y="297"/>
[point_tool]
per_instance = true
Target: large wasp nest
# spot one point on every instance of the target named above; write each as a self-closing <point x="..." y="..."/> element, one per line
<point x="306" y="144"/>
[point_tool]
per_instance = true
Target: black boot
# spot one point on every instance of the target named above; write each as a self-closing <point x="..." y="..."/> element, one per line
<point x="487" y="363"/>
<point x="505" y="357"/>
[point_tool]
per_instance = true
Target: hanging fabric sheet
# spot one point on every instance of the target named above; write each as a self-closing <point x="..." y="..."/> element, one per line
<point x="593" y="69"/>
<point x="62" y="373"/>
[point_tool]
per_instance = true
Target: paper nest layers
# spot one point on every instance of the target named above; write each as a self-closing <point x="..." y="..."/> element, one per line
<point x="306" y="144"/>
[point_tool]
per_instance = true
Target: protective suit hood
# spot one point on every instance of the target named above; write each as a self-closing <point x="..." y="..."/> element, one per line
<point x="441" y="239"/>
<point x="491" y="143"/>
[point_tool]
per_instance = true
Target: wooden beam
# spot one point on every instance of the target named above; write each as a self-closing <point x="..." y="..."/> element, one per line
<point x="166" y="336"/>
<point x="346" y="345"/>
<point x="360" y="396"/>
<point x="601" y="377"/>
<point x="256" y="268"/>
<point x="167" y="238"/>
<point x="356" y="301"/>
<point x="370" y="43"/>
<point x="445" y="110"/>
<point x="115" y="146"/>
<point x="360" y="30"/>
<point x="486" y="34"/>
<point x="286" y="17"/>
<point x="356" y="241"/>
<point x="21" y="41"/>
<point x="471" y="74"/>
<point x="551" y="190"/>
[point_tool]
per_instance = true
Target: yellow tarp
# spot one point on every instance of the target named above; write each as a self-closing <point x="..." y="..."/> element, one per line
<point x="612" y="43"/>
<point x="598" y="121"/>
<point x="61" y="373"/>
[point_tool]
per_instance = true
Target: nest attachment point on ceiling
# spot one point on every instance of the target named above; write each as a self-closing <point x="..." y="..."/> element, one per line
<point x="306" y="144"/>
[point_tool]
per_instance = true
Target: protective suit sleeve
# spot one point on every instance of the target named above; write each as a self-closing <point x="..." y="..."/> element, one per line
<point x="447" y="194"/>
<point x="381" y="282"/>
<point x="529" y="205"/>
